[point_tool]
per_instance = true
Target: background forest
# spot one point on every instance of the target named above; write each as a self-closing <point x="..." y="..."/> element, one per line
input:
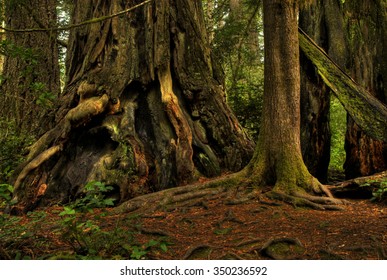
<point x="43" y="77"/>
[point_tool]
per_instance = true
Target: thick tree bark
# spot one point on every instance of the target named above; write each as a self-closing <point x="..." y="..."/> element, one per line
<point x="143" y="108"/>
<point x="277" y="156"/>
<point x="367" y="30"/>
<point x="31" y="67"/>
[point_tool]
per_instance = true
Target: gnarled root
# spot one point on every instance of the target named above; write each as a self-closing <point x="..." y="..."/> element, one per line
<point x="302" y="199"/>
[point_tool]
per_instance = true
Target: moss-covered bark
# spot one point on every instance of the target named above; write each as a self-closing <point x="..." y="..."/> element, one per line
<point x="368" y="112"/>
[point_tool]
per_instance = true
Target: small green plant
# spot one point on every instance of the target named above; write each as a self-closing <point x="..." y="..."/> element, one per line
<point x="6" y="191"/>
<point x="11" y="236"/>
<point x="138" y="252"/>
<point x="81" y="228"/>
<point x="44" y="97"/>
<point x="93" y="197"/>
<point x="76" y="229"/>
<point x="22" y="240"/>
<point x="380" y="193"/>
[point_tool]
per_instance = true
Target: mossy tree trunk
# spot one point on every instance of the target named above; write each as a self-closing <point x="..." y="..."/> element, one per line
<point x="143" y="108"/>
<point x="323" y="22"/>
<point x="367" y="63"/>
<point x="31" y="68"/>
<point x="277" y="160"/>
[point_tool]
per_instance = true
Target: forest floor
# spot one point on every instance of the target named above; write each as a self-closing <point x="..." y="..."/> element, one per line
<point x="210" y="230"/>
<point x="244" y="231"/>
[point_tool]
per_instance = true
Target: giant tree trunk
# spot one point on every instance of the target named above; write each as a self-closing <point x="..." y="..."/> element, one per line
<point x="367" y="32"/>
<point x="31" y="67"/>
<point x="143" y="108"/>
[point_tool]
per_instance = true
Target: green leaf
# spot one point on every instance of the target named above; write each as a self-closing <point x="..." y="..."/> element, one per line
<point x="163" y="246"/>
<point x="67" y="211"/>
<point x="137" y="253"/>
<point x="152" y="243"/>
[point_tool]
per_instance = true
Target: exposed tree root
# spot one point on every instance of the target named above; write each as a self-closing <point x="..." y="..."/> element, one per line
<point x="299" y="199"/>
<point x="176" y="196"/>
<point x="225" y="189"/>
<point x="280" y="248"/>
<point x="35" y="163"/>
<point x="198" y="252"/>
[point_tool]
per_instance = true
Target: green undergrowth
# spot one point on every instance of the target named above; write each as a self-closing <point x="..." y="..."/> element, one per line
<point x="338" y="123"/>
<point x="379" y="193"/>
<point x="83" y="229"/>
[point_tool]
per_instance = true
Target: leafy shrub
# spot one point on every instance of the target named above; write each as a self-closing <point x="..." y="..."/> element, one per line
<point x="88" y="240"/>
<point x="380" y="192"/>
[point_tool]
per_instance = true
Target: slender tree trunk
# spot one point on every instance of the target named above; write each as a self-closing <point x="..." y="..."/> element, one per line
<point x="2" y="36"/>
<point x="367" y="30"/>
<point x="277" y="160"/>
<point x="31" y="68"/>
<point x="209" y="9"/>
<point x="143" y="108"/>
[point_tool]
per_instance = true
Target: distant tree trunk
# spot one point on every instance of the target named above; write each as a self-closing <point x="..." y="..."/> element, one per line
<point x="2" y="36"/>
<point x="31" y="67"/>
<point x="322" y="21"/>
<point x="209" y="9"/>
<point x="143" y="108"/>
<point x="367" y="33"/>
<point x="315" y="99"/>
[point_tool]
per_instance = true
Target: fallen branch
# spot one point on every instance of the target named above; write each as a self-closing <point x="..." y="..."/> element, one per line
<point x="361" y="187"/>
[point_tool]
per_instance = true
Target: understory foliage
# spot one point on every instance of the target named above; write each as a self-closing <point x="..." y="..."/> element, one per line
<point x="80" y="227"/>
<point x="338" y="120"/>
